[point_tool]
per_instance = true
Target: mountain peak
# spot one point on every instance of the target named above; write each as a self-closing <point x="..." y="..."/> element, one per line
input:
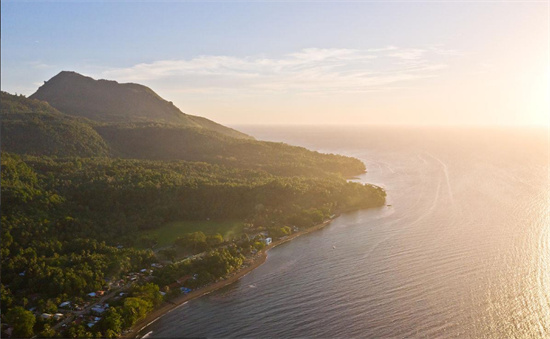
<point x="109" y="101"/>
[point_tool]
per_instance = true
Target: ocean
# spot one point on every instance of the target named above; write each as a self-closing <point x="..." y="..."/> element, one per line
<point x="462" y="250"/>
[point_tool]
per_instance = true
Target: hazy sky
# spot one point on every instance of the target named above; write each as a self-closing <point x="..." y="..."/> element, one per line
<point x="298" y="63"/>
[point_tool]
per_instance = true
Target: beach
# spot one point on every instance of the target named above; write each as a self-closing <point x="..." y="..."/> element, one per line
<point x="256" y="261"/>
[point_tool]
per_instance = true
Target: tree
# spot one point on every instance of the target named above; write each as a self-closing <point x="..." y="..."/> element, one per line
<point x="134" y="309"/>
<point x="47" y="332"/>
<point x="168" y="253"/>
<point x="22" y="322"/>
<point x="194" y="242"/>
<point x="77" y="331"/>
<point x="214" y="240"/>
<point x="148" y="292"/>
<point x="111" y="323"/>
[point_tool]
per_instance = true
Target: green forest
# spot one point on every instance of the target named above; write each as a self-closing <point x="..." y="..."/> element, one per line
<point x="81" y="201"/>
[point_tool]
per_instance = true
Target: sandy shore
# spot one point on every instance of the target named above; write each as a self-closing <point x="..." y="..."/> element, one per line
<point x="257" y="261"/>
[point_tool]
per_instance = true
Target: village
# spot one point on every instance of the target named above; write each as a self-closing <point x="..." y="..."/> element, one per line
<point x="90" y="311"/>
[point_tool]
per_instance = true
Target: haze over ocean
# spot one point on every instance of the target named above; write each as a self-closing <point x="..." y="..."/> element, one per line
<point x="463" y="250"/>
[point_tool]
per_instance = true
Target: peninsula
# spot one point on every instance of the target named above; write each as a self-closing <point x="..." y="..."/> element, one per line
<point x="117" y="206"/>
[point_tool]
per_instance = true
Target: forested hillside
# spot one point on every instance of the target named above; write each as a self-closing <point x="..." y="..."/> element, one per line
<point x="81" y="200"/>
<point x="161" y="142"/>
<point x="34" y="127"/>
<point x="62" y="219"/>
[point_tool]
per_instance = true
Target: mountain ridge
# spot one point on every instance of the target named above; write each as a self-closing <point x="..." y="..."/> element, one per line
<point x="109" y="101"/>
<point x="34" y="127"/>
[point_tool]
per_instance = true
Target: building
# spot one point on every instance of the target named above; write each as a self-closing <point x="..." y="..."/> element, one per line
<point x="268" y="241"/>
<point x="98" y="310"/>
<point x="65" y="304"/>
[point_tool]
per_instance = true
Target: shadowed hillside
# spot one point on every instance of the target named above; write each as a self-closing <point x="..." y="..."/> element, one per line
<point x="160" y="142"/>
<point x="109" y="101"/>
<point x="30" y="126"/>
<point x="34" y="127"/>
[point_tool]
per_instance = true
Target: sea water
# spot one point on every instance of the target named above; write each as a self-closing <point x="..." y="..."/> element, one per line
<point x="462" y="250"/>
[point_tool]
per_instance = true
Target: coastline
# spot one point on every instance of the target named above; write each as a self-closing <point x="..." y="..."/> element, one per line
<point x="257" y="261"/>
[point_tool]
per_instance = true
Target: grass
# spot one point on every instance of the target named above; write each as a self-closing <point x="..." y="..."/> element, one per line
<point x="166" y="234"/>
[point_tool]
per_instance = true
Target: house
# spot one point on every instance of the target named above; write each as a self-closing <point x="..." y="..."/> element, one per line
<point x="45" y="316"/>
<point x="100" y="293"/>
<point x="92" y="295"/>
<point x="58" y="316"/>
<point x="65" y="304"/>
<point x="268" y="241"/>
<point x="185" y="290"/>
<point x="98" y="310"/>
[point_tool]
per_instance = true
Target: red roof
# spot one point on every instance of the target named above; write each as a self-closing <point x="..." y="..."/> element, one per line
<point x="173" y="285"/>
<point x="183" y="279"/>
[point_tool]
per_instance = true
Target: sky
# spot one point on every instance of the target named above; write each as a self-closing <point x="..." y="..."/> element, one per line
<point x="309" y="62"/>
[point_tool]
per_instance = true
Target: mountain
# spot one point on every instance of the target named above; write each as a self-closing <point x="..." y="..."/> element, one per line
<point x="109" y="101"/>
<point x="34" y="127"/>
<point x="90" y="118"/>
<point x="161" y="142"/>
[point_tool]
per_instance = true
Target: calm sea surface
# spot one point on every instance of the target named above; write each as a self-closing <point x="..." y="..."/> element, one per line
<point x="463" y="250"/>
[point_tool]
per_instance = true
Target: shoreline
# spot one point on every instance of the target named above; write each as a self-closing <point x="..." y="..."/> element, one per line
<point x="168" y="306"/>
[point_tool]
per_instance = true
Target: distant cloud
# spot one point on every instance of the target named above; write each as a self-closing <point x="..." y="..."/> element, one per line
<point x="311" y="70"/>
<point x="39" y="65"/>
<point x="408" y="54"/>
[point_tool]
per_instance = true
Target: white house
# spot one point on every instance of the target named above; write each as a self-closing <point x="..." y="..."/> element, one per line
<point x="65" y="304"/>
<point x="268" y="241"/>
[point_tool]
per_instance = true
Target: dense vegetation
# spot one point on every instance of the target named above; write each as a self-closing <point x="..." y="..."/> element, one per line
<point x="63" y="218"/>
<point x="164" y="142"/>
<point x="34" y="127"/>
<point x="115" y="197"/>
<point x="81" y="201"/>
